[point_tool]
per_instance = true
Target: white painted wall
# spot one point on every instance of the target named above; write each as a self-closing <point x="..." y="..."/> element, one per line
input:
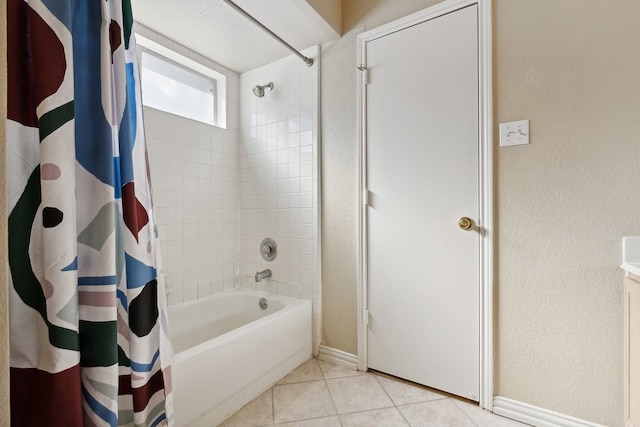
<point x="563" y="203"/>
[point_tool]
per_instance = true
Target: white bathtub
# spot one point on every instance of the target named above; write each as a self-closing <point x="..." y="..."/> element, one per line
<point x="228" y="351"/>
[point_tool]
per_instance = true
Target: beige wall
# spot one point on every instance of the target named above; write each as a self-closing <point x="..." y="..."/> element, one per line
<point x="331" y="12"/>
<point x="572" y="67"/>
<point x="339" y="165"/>
<point x="4" y="322"/>
<point x="562" y="204"/>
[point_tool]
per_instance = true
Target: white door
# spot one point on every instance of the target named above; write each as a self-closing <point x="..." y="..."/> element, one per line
<point x="422" y="176"/>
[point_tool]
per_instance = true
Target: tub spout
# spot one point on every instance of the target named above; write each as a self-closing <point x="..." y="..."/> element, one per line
<point x="263" y="275"/>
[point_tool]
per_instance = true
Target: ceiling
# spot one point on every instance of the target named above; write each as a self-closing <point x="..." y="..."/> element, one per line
<point x="215" y="30"/>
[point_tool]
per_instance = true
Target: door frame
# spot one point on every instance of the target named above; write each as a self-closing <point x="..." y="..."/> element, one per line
<point x="485" y="179"/>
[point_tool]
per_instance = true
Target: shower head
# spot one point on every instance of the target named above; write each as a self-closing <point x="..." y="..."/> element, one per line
<point x="260" y="90"/>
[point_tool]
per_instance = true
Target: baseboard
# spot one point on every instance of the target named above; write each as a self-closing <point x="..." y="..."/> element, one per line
<point x="534" y="415"/>
<point x="338" y="357"/>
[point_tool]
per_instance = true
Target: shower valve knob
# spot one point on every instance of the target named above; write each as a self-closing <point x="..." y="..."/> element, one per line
<point x="268" y="249"/>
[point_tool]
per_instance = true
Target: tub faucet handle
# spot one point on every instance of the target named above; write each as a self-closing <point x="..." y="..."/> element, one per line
<point x="268" y="249"/>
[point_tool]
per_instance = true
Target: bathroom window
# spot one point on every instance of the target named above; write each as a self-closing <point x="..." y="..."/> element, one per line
<point x="168" y="87"/>
<point x="179" y="85"/>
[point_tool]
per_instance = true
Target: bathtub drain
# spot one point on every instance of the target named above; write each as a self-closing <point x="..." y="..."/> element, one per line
<point x="263" y="303"/>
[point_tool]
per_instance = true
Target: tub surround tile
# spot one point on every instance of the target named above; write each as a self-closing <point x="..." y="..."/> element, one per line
<point x="302" y="401"/>
<point x="437" y="412"/>
<point x="403" y="394"/>
<point x="308" y="371"/>
<point x="388" y="417"/>
<point x="356" y="394"/>
<point x="278" y="178"/>
<point x="329" y="370"/>
<point x="316" y="422"/>
<point x="196" y="201"/>
<point x="257" y="413"/>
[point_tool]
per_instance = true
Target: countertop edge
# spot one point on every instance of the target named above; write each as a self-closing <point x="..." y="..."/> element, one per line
<point x="633" y="268"/>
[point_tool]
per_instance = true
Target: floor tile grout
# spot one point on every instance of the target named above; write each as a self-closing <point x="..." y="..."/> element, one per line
<point x="273" y="407"/>
<point x="333" y="401"/>
<point x="453" y="407"/>
<point x="443" y="395"/>
<point x="330" y="394"/>
<point x="392" y="401"/>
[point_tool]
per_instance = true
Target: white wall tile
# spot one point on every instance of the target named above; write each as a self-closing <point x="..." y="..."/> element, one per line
<point x="281" y="187"/>
<point x="174" y="298"/>
<point x="219" y="192"/>
<point x="185" y="181"/>
<point x="190" y="294"/>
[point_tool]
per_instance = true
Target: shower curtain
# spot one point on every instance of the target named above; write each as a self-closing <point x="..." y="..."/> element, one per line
<point x="87" y="307"/>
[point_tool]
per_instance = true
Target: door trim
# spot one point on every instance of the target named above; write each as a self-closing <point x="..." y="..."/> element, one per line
<point x="485" y="159"/>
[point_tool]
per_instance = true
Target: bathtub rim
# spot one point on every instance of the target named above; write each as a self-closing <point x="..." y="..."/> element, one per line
<point x="288" y="302"/>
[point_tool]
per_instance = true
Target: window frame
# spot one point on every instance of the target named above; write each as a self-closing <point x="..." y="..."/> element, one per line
<point x="171" y="56"/>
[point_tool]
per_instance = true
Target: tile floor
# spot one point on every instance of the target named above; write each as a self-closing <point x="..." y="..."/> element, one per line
<point x="321" y="394"/>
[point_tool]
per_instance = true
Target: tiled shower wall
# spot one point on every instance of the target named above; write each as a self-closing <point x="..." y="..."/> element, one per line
<point x="278" y="179"/>
<point x="219" y="192"/>
<point x="194" y="169"/>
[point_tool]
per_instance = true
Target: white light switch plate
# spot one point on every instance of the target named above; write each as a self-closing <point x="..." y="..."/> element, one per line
<point x="514" y="133"/>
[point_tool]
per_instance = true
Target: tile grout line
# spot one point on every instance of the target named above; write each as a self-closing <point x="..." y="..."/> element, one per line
<point x="335" y="408"/>
<point x="392" y="401"/>
<point x="324" y="379"/>
<point x="273" y="406"/>
<point x="442" y="397"/>
<point x="457" y="404"/>
<point x="465" y="412"/>
<point x="393" y="404"/>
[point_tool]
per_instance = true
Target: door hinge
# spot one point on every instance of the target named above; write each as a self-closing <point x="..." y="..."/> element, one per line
<point x="365" y="197"/>
<point x="365" y="74"/>
<point x="366" y="317"/>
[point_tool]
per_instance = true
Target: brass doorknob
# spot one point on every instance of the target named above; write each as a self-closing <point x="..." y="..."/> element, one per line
<point x="465" y="223"/>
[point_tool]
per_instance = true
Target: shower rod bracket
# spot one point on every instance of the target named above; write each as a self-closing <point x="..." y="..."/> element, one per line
<point x="308" y="61"/>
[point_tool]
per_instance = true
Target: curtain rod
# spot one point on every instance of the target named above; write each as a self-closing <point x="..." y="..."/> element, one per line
<point x="305" y="59"/>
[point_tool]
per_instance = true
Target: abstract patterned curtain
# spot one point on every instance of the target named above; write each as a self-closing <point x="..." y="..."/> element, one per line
<point x="88" y="336"/>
